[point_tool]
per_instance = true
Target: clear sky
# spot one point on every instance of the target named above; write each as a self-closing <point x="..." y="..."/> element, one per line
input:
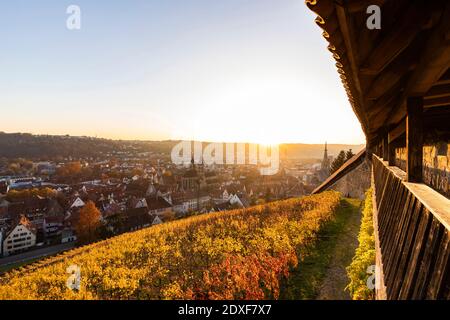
<point x="216" y="70"/>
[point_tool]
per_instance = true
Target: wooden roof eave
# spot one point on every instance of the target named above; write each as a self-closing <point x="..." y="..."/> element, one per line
<point x="328" y="21"/>
<point x="408" y="60"/>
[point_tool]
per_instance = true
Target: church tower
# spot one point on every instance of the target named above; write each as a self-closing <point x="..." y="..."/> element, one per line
<point x="325" y="167"/>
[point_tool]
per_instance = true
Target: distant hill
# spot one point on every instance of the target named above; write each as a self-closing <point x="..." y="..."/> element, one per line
<point x="308" y="151"/>
<point x="15" y="145"/>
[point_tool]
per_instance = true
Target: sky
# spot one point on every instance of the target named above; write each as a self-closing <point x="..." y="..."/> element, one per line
<point x="222" y="70"/>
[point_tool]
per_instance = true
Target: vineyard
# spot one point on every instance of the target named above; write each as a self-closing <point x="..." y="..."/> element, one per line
<point x="238" y="254"/>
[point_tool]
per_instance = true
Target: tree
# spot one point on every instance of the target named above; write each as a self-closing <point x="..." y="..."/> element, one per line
<point x="260" y="201"/>
<point x="88" y="223"/>
<point x="338" y="162"/>
<point x="70" y="169"/>
<point x="349" y="154"/>
<point x="169" y="216"/>
<point x="18" y="195"/>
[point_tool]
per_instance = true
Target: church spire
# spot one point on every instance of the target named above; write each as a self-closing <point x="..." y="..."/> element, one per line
<point x="325" y="162"/>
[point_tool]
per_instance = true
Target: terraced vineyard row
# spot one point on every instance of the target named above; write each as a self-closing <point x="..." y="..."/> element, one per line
<point x="239" y="254"/>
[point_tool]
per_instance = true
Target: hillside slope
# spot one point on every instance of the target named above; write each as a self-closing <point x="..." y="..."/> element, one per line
<point x="239" y="254"/>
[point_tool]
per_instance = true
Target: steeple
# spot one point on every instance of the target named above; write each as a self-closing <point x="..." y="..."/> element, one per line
<point x="325" y="162"/>
<point x="192" y="162"/>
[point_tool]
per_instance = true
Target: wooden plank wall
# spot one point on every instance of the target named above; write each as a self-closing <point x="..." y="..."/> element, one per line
<point x="415" y="246"/>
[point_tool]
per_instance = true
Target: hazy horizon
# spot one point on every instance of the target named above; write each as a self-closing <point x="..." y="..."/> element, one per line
<point x="176" y="140"/>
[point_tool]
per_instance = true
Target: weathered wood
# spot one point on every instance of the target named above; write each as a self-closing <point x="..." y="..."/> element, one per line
<point x="416" y="253"/>
<point x="428" y="260"/>
<point x="380" y="69"/>
<point x="445" y="78"/>
<point x="396" y="40"/>
<point x="435" y="61"/>
<point x="413" y="236"/>
<point x="437" y="102"/>
<point x="433" y="201"/>
<point x="348" y="33"/>
<point x="400" y="252"/>
<point x="396" y="139"/>
<point x="414" y="139"/>
<point x="437" y="287"/>
<point x="397" y="131"/>
<point x="361" y="5"/>
<point x="438" y="91"/>
<point x="385" y="147"/>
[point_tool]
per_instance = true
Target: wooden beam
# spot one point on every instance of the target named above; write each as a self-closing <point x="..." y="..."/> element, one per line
<point x="368" y="39"/>
<point x="385" y="147"/>
<point x="396" y="40"/>
<point x="396" y="132"/>
<point x="391" y="153"/>
<point x="436" y="123"/>
<point x="386" y="81"/>
<point x="435" y="60"/>
<point x="438" y="91"/>
<point x="414" y="139"/>
<point x="361" y="5"/>
<point x="396" y="71"/>
<point x="433" y="63"/>
<point x="348" y="33"/>
<point x="437" y="102"/>
<point x="380" y="111"/>
<point x="445" y="78"/>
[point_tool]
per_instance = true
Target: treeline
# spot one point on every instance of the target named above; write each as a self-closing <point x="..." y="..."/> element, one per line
<point x="238" y="254"/>
<point x="24" y="145"/>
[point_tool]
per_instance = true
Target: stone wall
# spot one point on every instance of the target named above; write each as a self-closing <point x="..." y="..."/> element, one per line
<point x="355" y="183"/>
<point x="436" y="165"/>
<point x="400" y="158"/>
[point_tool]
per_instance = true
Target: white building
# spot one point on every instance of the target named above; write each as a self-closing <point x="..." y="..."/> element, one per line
<point x="68" y="236"/>
<point x="19" y="239"/>
<point x="156" y="221"/>
<point x="78" y="203"/>
<point x="235" y="200"/>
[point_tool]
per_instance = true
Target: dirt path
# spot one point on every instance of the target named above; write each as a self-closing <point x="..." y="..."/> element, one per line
<point x="335" y="281"/>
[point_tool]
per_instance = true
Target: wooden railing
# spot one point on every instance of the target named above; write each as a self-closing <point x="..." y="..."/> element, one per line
<point x="414" y="235"/>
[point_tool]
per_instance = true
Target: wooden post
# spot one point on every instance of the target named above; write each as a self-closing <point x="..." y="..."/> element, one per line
<point x="391" y="153"/>
<point x="385" y="147"/>
<point x="369" y="150"/>
<point x="414" y="139"/>
<point x="395" y="140"/>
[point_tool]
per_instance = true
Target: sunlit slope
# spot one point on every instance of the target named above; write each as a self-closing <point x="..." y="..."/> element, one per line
<point x="238" y="254"/>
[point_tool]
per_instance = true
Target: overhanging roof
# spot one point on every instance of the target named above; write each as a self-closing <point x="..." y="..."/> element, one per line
<point x="380" y="69"/>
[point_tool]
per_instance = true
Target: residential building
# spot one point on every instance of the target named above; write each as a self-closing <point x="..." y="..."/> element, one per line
<point x="22" y="237"/>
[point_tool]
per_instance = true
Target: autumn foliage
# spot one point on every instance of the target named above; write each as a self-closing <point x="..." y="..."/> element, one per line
<point x="88" y="222"/>
<point x="238" y="254"/>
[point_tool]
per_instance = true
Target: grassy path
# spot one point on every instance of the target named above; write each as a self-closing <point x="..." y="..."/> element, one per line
<point x="321" y="274"/>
